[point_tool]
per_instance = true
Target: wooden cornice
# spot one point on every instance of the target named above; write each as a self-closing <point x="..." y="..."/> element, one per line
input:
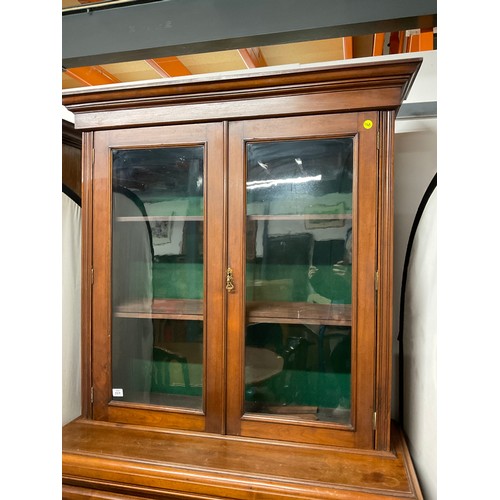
<point x="398" y="73"/>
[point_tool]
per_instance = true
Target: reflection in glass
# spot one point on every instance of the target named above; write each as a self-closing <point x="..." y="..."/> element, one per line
<point x="299" y="278"/>
<point x="157" y="272"/>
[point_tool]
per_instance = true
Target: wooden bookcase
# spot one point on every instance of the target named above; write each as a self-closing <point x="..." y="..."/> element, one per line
<point x="221" y="359"/>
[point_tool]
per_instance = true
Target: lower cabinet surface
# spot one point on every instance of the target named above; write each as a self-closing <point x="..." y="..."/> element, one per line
<point x="113" y="461"/>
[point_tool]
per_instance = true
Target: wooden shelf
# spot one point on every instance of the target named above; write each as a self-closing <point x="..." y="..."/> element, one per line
<point x="257" y="312"/>
<point x="299" y="312"/>
<point x="185" y="309"/>
<point x="291" y="217"/>
<point x="105" y="460"/>
<point x="294" y="217"/>
<point x="159" y="218"/>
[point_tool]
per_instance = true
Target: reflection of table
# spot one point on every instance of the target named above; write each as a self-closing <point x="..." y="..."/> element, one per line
<point x="260" y="364"/>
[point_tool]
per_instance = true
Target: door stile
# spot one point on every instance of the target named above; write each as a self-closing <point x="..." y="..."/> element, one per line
<point x="236" y="262"/>
<point x="385" y="288"/>
<point x="87" y="265"/>
<point x="216" y="257"/>
<point x="101" y="242"/>
<point x="366" y="267"/>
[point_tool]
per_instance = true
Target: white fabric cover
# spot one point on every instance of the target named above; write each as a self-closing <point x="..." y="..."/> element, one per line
<point x="420" y="350"/>
<point x="71" y="309"/>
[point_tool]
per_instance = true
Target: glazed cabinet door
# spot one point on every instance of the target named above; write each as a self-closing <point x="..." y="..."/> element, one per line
<point x="157" y="295"/>
<point x="302" y="234"/>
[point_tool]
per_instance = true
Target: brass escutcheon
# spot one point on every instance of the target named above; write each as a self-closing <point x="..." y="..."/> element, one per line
<point x="229" y="280"/>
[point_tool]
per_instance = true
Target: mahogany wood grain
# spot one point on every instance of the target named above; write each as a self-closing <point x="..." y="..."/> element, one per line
<point x="363" y="319"/>
<point x="215" y="251"/>
<point x="363" y="80"/>
<point x="211" y="311"/>
<point x="72" y="168"/>
<point x="128" y="460"/>
<point x="364" y="262"/>
<point x="100" y="278"/>
<point x="132" y="450"/>
<point x="303" y="90"/>
<point x="385" y="293"/>
<point x="72" y="157"/>
<point x="86" y="272"/>
<point x="155" y="416"/>
<point x="235" y="110"/>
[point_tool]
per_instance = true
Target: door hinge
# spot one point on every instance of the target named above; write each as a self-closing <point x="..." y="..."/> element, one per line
<point x="92" y="276"/>
<point x="378" y="139"/>
<point x="376" y="280"/>
<point x="92" y="395"/>
<point x="93" y="156"/>
<point x="374" y="420"/>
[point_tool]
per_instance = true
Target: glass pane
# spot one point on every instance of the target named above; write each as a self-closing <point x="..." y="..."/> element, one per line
<point x="157" y="276"/>
<point x="299" y="279"/>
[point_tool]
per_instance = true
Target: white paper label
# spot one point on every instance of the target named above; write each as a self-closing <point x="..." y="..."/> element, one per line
<point x="118" y="393"/>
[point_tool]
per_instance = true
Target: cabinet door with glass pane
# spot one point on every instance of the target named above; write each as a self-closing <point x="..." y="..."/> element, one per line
<point x="301" y="273"/>
<point x="157" y="293"/>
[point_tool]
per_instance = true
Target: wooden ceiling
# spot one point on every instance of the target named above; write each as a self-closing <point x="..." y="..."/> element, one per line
<point x="316" y="51"/>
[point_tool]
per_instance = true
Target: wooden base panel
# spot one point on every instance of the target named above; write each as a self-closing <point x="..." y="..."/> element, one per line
<point x="111" y="461"/>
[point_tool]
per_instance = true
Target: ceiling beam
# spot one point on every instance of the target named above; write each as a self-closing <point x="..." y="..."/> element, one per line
<point x="396" y="42"/>
<point x="347" y="47"/>
<point x="378" y="44"/>
<point x="168" y="66"/>
<point x="253" y="57"/>
<point x="426" y="40"/>
<point x="127" y="32"/>
<point x="92" y="75"/>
